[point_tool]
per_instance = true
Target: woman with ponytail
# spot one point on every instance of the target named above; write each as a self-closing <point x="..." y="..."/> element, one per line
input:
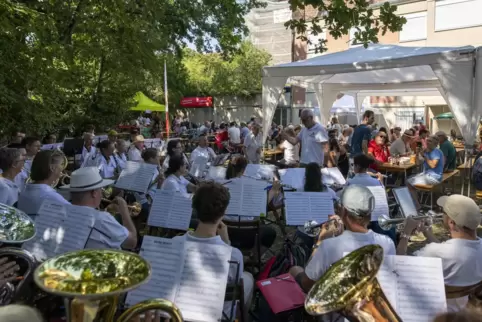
<point x="175" y="173"/>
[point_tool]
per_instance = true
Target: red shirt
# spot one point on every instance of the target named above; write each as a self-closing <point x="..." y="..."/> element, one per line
<point x="379" y="152"/>
<point x="220" y="137"/>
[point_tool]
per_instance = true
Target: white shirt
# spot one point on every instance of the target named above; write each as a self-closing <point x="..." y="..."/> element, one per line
<point x="461" y="263"/>
<point x="21" y="178"/>
<point x="291" y="152"/>
<point x="252" y="143"/>
<point x="363" y="179"/>
<point x="121" y="159"/>
<point x="236" y="256"/>
<point x="107" y="232"/>
<point x="206" y="152"/>
<point x="134" y="154"/>
<point x="311" y="148"/>
<point x="8" y="192"/>
<point x="332" y="250"/>
<point x="106" y="169"/>
<point x="86" y="153"/>
<point x="398" y="147"/>
<point x="175" y="183"/>
<point x="31" y="199"/>
<point x="234" y="135"/>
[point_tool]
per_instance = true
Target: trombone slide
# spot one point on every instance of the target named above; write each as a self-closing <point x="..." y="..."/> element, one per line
<point x="386" y="222"/>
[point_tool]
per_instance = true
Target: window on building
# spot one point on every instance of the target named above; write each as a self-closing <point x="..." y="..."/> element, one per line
<point x="454" y="14"/>
<point x="315" y="40"/>
<point x="415" y="28"/>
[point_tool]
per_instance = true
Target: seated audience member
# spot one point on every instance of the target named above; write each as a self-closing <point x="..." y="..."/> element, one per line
<point x="203" y="150"/>
<point x="462" y="254"/>
<point x="175" y="173"/>
<point x="210" y="203"/>
<point x="291" y="153"/>
<point x="421" y="141"/>
<point x="448" y="150"/>
<point x="11" y="164"/>
<point x="453" y="135"/>
<point x="378" y="149"/>
<point x="433" y="164"/>
<point x="357" y="204"/>
<point x="395" y="133"/>
<point x="86" y="190"/>
<point x="47" y="167"/>
<point x="401" y="146"/>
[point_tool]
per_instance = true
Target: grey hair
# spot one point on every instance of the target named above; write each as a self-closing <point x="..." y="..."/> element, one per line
<point x="8" y="156"/>
<point x="433" y="138"/>
<point x="122" y="142"/>
<point x="87" y="134"/>
<point x="19" y="313"/>
<point x="307" y="112"/>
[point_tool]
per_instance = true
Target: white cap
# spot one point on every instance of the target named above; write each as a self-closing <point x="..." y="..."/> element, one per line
<point x="358" y="199"/>
<point x="461" y="209"/>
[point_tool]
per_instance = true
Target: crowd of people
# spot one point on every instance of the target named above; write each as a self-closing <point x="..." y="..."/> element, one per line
<point x="31" y="175"/>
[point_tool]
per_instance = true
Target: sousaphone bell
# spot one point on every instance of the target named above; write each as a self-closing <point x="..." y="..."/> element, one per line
<point x="351" y="288"/>
<point x="91" y="281"/>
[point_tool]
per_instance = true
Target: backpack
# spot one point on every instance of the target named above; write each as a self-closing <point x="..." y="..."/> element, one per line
<point x="291" y="255"/>
<point x="477" y="172"/>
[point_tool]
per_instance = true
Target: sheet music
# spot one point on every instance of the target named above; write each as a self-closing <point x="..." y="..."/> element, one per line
<point x="216" y="173"/>
<point x="260" y="171"/>
<point x="332" y="176"/>
<point x="165" y="256"/>
<point x="416" y="290"/>
<point x="199" y="167"/>
<point x="193" y="275"/>
<point x="170" y="209"/>
<point x="306" y="206"/>
<point x="52" y="146"/>
<point x="381" y="202"/>
<point x="152" y="143"/>
<point x="60" y="229"/>
<point x="136" y="176"/>
<point x="248" y="197"/>
<point x="294" y="177"/>
<point x="204" y="277"/>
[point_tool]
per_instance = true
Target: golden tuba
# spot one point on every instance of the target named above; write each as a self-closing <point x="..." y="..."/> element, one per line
<point x="91" y="282"/>
<point x="350" y="287"/>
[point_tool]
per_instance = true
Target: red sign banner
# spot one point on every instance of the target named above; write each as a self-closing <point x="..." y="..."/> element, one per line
<point x="204" y="101"/>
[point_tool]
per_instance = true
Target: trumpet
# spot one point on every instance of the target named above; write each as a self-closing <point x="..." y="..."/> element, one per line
<point x="386" y="222"/>
<point x="113" y="209"/>
<point x="91" y="282"/>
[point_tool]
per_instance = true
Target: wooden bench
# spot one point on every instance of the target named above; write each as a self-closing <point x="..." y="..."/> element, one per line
<point x="429" y="187"/>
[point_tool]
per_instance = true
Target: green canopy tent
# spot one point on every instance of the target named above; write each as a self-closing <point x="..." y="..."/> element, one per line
<point x="144" y="104"/>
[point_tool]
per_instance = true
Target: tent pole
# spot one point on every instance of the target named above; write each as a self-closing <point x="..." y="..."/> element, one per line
<point x="166" y="99"/>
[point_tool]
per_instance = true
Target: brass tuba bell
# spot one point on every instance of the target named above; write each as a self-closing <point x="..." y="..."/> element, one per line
<point x="91" y="281"/>
<point x="350" y="287"/>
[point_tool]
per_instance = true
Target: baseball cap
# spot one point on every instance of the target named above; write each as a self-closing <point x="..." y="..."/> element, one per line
<point x="112" y="133"/>
<point x="461" y="209"/>
<point x="358" y="199"/>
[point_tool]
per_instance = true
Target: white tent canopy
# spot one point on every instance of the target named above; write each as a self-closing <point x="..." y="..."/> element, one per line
<point x="385" y="69"/>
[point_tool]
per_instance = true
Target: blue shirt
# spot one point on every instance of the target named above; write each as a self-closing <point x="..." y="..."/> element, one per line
<point x="437" y="172"/>
<point x="362" y="133"/>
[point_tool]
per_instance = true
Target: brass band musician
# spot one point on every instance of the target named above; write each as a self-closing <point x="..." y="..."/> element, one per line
<point x="11" y="164"/>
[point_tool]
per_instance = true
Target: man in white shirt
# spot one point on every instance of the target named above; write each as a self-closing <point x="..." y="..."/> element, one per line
<point x="134" y="152"/>
<point x="401" y="146"/>
<point x="88" y="150"/>
<point x="253" y="144"/>
<point x="11" y="164"/>
<point x="234" y="134"/>
<point x="86" y="190"/>
<point x="210" y="202"/>
<point x="462" y="254"/>
<point x="313" y="138"/>
<point x="357" y="204"/>
<point x="202" y="150"/>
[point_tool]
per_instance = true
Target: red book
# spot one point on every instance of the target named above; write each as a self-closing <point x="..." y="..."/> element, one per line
<point x="282" y="293"/>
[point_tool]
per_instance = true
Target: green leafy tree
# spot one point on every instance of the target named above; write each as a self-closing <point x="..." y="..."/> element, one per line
<point x="338" y="17"/>
<point x="217" y="74"/>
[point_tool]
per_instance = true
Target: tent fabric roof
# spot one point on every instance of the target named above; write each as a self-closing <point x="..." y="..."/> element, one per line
<point x="385" y="68"/>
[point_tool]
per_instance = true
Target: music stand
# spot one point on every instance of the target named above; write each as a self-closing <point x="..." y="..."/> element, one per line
<point x="233" y="302"/>
<point x="405" y="201"/>
<point x="73" y="147"/>
<point x="220" y="159"/>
